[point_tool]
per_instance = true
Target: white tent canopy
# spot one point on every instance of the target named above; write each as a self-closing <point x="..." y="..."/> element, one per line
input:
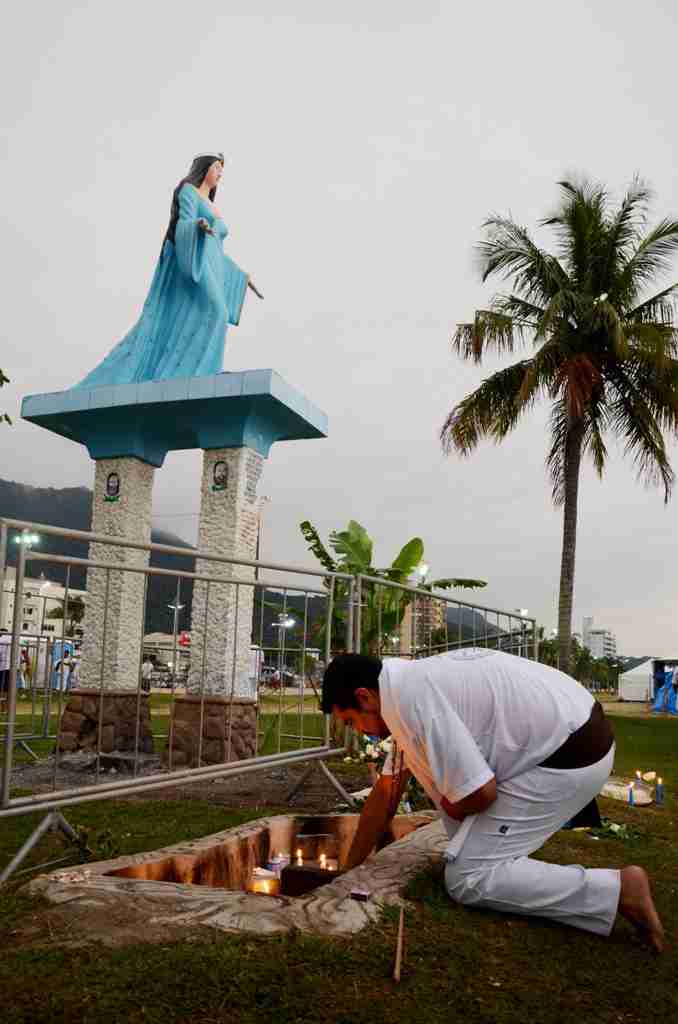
<point x="637" y="683"/>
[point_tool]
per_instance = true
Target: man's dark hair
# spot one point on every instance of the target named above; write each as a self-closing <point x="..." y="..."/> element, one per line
<point x="344" y="675"/>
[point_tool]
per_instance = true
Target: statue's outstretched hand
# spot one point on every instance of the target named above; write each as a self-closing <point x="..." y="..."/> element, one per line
<point x="251" y="284"/>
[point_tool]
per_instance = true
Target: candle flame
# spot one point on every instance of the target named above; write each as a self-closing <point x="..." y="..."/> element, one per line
<point x="265" y="885"/>
<point x="323" y="861"/>
<point x="659" y="780"/>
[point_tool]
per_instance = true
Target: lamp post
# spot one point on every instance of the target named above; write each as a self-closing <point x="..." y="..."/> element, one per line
<point x="27" y="539"/>
<point x="284" y="622"/>
<point x="176" y="608"/>
<point x="522" y="645"/>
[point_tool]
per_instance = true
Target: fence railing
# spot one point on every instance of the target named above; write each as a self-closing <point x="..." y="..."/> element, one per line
<point x="242" y="698"/>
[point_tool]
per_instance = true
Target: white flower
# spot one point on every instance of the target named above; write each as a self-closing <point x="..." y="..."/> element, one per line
<point x="649" y="776"/>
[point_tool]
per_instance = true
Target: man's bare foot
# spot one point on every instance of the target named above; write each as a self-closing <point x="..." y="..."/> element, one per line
<point x="637" y="906"/>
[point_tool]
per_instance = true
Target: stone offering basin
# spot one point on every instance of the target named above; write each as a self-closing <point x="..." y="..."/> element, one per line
<point x="157" y="895"/>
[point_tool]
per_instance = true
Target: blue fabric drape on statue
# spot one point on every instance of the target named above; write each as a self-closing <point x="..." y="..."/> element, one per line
<point x="195" y="293"/>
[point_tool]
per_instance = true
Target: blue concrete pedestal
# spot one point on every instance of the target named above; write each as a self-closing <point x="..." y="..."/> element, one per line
<point x="252" y="408"/>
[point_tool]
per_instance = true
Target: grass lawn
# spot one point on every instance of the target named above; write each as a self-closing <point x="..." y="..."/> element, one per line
<point x="460" y="964"/>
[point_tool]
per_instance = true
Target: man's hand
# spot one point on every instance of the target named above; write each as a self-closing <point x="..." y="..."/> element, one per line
<point x="375" y="816"/>
<point x="474" y="803"/>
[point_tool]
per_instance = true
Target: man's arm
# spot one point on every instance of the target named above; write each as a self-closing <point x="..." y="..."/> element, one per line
<point x="474" y="803"/>
<point x="375" y="816"/>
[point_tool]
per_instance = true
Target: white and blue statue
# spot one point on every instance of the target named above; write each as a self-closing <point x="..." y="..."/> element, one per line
<point x="196" y="292"/>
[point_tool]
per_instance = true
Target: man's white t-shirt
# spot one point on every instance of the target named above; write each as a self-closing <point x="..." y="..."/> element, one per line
<point x="463" y="717"/>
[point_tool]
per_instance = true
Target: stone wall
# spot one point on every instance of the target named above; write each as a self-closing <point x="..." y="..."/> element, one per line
<point x="114" y="610"/>
<point x="229" y="523"/>
<point x="229" y="731"/>
<point x="79" y="726"/>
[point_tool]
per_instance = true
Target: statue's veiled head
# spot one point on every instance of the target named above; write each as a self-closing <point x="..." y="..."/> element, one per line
<point x="205" y="167"/>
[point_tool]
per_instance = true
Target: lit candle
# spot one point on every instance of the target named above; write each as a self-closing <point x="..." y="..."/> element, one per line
<point x="659" y="792"/>
<point x="264" y="882"/>
<point x="639" y="777"/>
<point x="631" y="800"/>
<point x="323" y="862"/>
<point x="300" y="860"/>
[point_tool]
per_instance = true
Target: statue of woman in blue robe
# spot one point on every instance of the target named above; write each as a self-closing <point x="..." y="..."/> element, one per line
<point x="195" y="293"/>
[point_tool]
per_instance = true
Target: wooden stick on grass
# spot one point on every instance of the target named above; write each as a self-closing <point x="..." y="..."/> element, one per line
<point x="399" y="946"/>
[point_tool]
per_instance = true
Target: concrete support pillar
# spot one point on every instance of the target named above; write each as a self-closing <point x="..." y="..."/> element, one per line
<point x="221" y="633"/>
<point x="216" y="721"/>
<point x="114" y="613"/>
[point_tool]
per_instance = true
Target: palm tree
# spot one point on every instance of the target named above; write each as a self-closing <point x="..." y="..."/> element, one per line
<point x="604" y="353"/>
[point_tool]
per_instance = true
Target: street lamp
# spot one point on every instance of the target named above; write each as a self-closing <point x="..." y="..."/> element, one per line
<point x="284" y="622"/>
<point x="522" y="643"/>
<point x="27" y="539"/>
<point x="176" y="608"/>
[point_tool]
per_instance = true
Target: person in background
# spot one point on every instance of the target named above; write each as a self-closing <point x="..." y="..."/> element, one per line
<point x="146" y="674"/>
<point x="5" y="654"/>
<point x="74" y="674"/>
<point x="24" y="677"/>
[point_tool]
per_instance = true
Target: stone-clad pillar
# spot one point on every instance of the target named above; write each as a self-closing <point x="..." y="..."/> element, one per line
<point x="221" y="621"/>
<point x="229" y="520"/>
<point x="113" y="628"/>
<point x="114" y="614"/>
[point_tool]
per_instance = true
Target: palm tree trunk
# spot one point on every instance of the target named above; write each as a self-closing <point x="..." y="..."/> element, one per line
<point x="573" y="446"/>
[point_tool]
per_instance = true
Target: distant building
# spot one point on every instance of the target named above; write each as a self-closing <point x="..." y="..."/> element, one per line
<point x="602" y="643"/>
<point x="41" y="602"/>
<point x="420" y="621"/>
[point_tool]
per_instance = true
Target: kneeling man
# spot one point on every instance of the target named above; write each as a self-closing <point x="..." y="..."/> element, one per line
<point x="508" y="750"/>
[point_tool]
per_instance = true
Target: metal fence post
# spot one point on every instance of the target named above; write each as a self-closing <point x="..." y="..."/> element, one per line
<point x="11" y="679"/>
<point x="358" y="618"/>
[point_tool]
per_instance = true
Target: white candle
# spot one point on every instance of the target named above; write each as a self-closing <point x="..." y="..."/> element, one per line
<point x="299" y="858"/>
<point x="323" y="862"/>
<point x="264" y="882"/>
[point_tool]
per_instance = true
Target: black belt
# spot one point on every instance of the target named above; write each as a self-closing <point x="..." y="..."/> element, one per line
<point x="587" y="745"/>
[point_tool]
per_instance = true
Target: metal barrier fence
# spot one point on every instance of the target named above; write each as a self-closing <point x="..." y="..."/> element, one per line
<point x="394" y="619"/>
<point x="264" y="666"/>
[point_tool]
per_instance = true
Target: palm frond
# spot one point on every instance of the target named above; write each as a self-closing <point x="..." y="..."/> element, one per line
<point x="491" y="411"/>
<point x="489" y="331"/>
<point x="657" y="382"/>
<point x="632" y="419"/>
<point x="509" y="250"/>
<point x="625" y="227"/>
<point x="579" y="224"/>
<point x="528" y="313"/>
<point x="653" y="258"/>
<point x="452" y="583"/>
<point x="661" y="306"/>
<point x="559" y="423"/>
<point x="652" y="342"/>
<point x="594" y="443"/>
